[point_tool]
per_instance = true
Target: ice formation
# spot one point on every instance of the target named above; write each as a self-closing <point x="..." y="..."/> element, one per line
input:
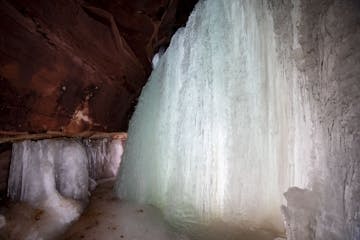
<point x="246" y="105"/>
<point x="157" y="57"/>
<point x="51" y="176"/>
<point x="43" y="169"/>
<point x="55" y="177"/>
<point x="104" y="156"/>
<point x="40" y="169"/>
<point x="205" y="140"/>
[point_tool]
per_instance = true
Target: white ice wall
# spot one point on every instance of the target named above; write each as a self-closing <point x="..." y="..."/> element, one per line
<point x="206" y="140"/>
<point x="253" y="99"/>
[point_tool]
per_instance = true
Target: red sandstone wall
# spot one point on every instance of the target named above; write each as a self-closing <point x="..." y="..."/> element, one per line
<point x="74" y="66"/>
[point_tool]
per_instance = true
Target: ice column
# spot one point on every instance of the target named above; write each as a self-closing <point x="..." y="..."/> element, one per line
<point x="205" y="142"/>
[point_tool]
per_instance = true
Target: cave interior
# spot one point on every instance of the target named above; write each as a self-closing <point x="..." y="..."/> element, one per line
<point x="180" y="119"/>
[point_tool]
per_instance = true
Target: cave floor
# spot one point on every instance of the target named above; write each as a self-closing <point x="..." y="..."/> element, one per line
<point x="108" y="217"/>
<point x="105" y="218"/>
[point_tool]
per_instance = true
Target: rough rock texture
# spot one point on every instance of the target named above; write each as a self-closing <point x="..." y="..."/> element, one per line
<point x="74" y="65"/>
<point x="318" y="42"/>
<point x="5" y="156"/>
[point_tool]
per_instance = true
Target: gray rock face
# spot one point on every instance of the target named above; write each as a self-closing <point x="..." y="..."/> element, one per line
<point x="320" y="41"/>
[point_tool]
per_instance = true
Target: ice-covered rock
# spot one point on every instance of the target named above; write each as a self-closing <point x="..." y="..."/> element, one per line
<point x="300" y="213"/>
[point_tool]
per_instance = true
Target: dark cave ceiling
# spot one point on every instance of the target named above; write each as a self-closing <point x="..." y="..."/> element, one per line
<point x="74" y="66"/>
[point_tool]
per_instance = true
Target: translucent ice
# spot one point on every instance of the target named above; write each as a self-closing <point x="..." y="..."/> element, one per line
<point x="40" y="170"/>
<point x="104" y="157"/>
<point x="52" y="179"/>
<point x="253" y="99"/>
<point x="204" y="141"/>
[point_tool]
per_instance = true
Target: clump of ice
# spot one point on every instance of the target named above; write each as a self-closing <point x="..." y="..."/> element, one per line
<point x="29" y="223"/>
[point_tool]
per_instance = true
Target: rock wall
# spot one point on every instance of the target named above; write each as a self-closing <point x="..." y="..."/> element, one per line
<point x="318" y="44"/>
<point x="78" y="65"/>
<point x="5" y="157"/>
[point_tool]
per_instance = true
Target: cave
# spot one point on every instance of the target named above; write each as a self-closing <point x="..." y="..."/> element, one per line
<point x="180" y="119"/>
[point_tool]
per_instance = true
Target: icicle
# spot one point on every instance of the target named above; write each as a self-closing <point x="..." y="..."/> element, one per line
<point x="104" y="157"/>
<point x="52" y="175"/>
<point x="157" y="57"/>
<point x="42" y="169"/>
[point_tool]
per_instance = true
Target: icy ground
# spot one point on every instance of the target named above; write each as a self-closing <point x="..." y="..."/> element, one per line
<point x="107" y="218"/>
<point x="24" y="222"/>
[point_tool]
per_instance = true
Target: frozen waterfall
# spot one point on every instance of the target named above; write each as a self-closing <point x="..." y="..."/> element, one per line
<point x="44" y="169"/>
<point x="59" y="174"/>
<point x="53" y="178"/>
<point x="205" y="142"/>
<point x="253" y="99"/>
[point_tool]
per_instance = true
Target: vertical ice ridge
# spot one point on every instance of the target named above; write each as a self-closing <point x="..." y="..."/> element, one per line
<point x="41" y="169"/>
<point x="204" y="139"/>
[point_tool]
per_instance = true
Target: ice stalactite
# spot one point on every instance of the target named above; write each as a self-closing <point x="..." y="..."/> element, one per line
<point x="50" y="175"/>
<point x="205" y="142"/>
<point x="104" y="156"/>
<point x="57" y="175"/>
<point x="52" y="180"/>
<point x="42" y="169"/>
